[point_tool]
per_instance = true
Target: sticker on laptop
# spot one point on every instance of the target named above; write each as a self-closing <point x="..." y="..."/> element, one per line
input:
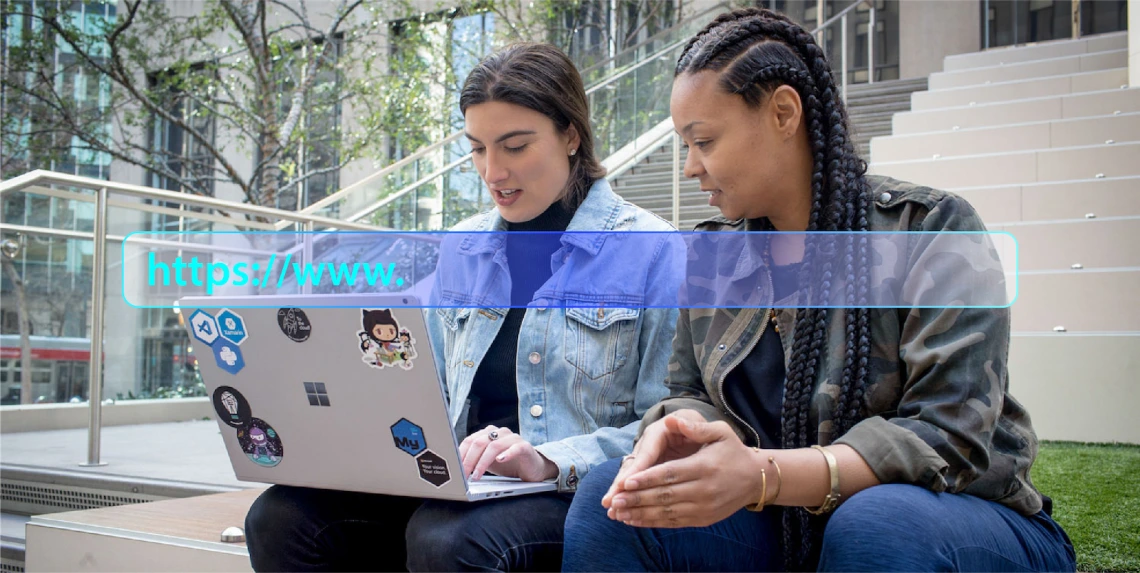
<point x="228" y="356"/>
<point x="232" y="326"/>
<point x="232" y="408"/>
<point x="294" y="324"/>
<point x="261" y="443"/>
<point x="409" y="437"/>
<point x="383" y="343"/>
<point x="433" y="469"/>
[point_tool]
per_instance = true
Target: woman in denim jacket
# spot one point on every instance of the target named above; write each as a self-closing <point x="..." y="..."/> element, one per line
<point x="548" y="362"/>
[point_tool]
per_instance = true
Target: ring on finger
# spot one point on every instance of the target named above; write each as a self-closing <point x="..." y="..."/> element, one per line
<point x="626" y="458"/>
<point x="493" y="435"/>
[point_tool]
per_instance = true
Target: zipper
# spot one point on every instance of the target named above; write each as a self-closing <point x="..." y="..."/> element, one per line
<point x="735" y="363"/>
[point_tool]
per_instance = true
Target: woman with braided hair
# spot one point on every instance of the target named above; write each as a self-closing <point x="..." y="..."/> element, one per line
<point x="878" y="439"/>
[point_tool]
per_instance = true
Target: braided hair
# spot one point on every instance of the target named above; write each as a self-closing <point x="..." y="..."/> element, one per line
<point x="755" y="51"/>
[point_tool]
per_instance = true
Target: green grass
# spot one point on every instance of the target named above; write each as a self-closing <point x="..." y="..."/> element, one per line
<point x="1096" y="498"/>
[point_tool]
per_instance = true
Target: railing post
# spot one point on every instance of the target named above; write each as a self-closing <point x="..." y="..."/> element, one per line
<point x="307" y="249"/>
<point x="986" y="24"/>
<point x="843" y="52"/>
<point x="676" y="180"/>
<point x="1076" y="19"/>
<point x="819" y="20"/>
<point x="871" y="47"/>
<point x="98" y="302"/>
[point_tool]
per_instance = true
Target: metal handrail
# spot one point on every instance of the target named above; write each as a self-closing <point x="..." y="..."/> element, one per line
<point x="41" y="176"/>
<point x="33" y="181"/>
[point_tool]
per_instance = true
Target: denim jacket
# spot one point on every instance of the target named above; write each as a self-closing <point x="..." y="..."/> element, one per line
<point x="585" y="374"/>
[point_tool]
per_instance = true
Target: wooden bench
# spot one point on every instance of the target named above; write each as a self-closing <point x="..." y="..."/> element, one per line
<point x="169" y="535"/>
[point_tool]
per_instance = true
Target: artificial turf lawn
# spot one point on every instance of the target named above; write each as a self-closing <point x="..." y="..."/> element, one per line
<point x="1096" y="498"/>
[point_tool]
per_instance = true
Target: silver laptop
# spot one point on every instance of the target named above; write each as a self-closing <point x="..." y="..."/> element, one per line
<point x="343" y="398"/>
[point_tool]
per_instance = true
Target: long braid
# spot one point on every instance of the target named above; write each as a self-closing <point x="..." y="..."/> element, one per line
<point x="757" y="50"/>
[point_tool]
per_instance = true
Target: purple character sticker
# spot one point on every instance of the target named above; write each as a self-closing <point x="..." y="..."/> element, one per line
<point x="261" y="443"/>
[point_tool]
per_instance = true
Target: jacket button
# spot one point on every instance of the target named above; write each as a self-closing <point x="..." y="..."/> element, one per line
<point x="885" y="197"/>
<point x="468" y="363"/>
<point x="535" y="358"/>
<point x="536" y="410"/>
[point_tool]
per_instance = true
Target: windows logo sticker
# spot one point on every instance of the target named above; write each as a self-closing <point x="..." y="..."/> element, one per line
<point x="318" y="395"/>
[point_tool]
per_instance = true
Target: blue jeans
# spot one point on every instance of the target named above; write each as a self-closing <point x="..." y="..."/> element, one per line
<point x="303" y="529"/>
<point x="891" y="527"/>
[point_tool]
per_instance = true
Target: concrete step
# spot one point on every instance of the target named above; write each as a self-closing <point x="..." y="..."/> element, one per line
<point x="889" y="87"/>
<point x="1109" y="197"/>
<point x="662" y="181"/>
<point x="1021" y="111"/>
<point x="1020" y="167"/>
<point x="1046" y="376"/>
<point x="1029" y="70"/>
<point x="1038" y="51"/>
<point x="900" y="104"/>
<point x="1020" y="89"/>
<point x="1040" y="135"/>
<point x="1094" y="244"/>
<point x="856" y="102"/>
<point x="1079" y="301"/>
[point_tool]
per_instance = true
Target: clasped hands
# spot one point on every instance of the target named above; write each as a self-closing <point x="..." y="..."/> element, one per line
<point x="684" y="472"/>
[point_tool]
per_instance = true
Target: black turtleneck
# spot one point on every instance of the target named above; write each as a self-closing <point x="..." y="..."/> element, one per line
<point x="755" y="388"/>
<point x="494" y="391"/>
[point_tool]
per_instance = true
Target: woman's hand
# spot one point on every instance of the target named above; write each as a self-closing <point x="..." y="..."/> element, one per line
<point x="504" y="453"/>
<point x="658" y="444"/>
<point x="709" y="485"/>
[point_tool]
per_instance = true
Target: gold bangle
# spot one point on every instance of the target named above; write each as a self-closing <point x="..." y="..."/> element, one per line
<point x="779" y="479"/>
<point x="759" y="506"/>
<point x="832" y="499"/>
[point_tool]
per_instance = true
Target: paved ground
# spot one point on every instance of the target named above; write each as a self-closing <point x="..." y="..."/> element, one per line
<point x="182" y="451"/>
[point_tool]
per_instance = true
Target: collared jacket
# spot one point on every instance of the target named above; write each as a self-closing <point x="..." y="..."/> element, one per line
<point x="593" y="346"/>
<point x="939" y="412"/>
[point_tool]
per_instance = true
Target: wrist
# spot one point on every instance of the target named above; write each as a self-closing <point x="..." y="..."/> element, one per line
<point x="549" y="468"/>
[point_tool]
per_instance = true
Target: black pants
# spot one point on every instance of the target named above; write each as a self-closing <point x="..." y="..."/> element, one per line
<point x="302" y="529"/>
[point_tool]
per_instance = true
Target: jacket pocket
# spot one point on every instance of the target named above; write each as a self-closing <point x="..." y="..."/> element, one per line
<point x="598" y="341"/>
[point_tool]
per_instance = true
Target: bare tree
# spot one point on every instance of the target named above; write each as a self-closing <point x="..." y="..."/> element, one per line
<point x="236" y="78"/>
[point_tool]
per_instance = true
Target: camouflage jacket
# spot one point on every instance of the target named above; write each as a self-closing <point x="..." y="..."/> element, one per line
<point x="939" y="412"/>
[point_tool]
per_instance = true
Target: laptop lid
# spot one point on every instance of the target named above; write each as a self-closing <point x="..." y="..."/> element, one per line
<point x="343" y="398"/>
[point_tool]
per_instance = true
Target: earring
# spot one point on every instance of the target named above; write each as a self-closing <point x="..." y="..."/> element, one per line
<point x="573" y="152"/>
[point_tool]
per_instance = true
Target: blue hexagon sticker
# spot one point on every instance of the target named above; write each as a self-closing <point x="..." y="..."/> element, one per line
<point x="408" y="437"/>
<point x="228" y="356"/>
<point x="231" y="326"/>
<point x="204" y="327"/>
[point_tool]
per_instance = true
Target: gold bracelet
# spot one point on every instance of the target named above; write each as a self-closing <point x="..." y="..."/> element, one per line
<point x="832" y="499"/>
<point x="759" y="506"/>
<point x="779" y="478"/>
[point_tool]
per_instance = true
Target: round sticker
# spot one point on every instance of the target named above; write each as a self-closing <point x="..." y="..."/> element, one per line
<point x="261" y="443"/>
<point x="232" y="407"/>
<point x="294" y="323"/>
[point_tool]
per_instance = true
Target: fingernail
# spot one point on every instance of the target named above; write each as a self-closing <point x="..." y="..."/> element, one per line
<point x="631" y="484"/>
<point x="501" y="457"/>
<point x="620" y="502"/>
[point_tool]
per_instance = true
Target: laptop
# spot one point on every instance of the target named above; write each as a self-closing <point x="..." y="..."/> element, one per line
<point x="344" y="398"/>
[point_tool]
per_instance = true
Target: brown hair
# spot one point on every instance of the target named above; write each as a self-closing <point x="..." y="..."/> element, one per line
<point x="540" y="77"/>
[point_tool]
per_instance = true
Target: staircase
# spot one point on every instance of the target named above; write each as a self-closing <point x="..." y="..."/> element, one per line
<point x="1044" y="141"/>
<point x="649" y="184"/>
<point x="870" y="108"/>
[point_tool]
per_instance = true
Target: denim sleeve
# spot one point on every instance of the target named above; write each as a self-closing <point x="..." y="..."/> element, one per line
<point x="436" y="334"/>
<point x="577" y="455"/>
